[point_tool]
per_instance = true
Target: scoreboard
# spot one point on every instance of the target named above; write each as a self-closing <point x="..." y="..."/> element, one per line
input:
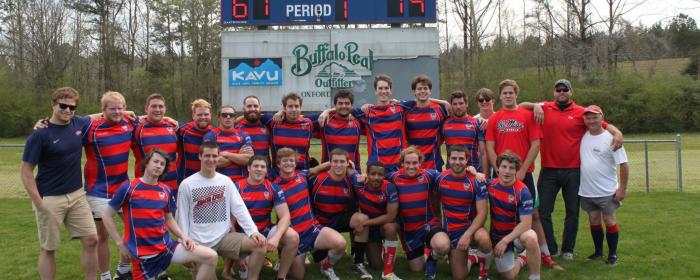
<point x="291" y="12"/>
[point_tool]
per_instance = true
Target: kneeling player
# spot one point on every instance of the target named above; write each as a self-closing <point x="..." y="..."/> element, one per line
<point x="260" y="196"/>
<point x="419" y="227"/>
<point x="147" y="241"/>
<point x="312" y="236"/>
<point x="379" y="205"/>
<point x="511" y="220"/>
<point x="459" y="193"/>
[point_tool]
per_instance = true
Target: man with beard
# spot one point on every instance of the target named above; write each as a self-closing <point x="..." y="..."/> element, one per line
<point x="253" y="125"/>
<point x="461" y="129"/>
<point x="190" y="137"/>
<point x="294" y="131"/>
<point x="563" y="127"/>
<point x="236" y="147"/>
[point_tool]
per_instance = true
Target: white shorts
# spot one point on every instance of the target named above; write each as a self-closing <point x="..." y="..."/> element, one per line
<point x="180" y="254"/>
<point x="506" y="262"/>
<point x="272" y="232"/>
<point x="98" y="206"/>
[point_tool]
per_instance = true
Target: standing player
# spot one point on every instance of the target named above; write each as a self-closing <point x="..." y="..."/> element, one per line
<point x="562" y="128"/>
<point x="236" y="147"/>
<point x="424" y="121"/>
<point x="253" y="125"/>
<point x="461" y="129"/>
<point x="378" y="203"/>
<point x="312" y="236"/>
<point x="513" y="128"/>
<point x="261" y="196"/>
<point x="419" y="225"/>
<point x="341" y="130"/>
<point x="207" y="202"/>
<point x="107" y="143"/>
<point x="56" y="192"/>
<point x="156" y="133"/>
<point x="600" y="192"/>
<point x="148" y="221"/>
<point x="295" y="131"/>
<point x="464" y="207"/>
<point x="190" y="137"/>
<point x="485" y="100"/>
<point x="511" y="220"/>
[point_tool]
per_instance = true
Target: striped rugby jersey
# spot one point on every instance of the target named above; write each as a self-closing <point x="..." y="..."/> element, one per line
<point x="230" y="141"/>
<point x="507" y="205"/>
<point x="260" y="199"/>
<point x="464" y="131"/>
<point x="107" y="147"/>
<point x="423" y="131"/>
<point x="162" y="135"/>
<point x="189" y="138"/>
<point x="458" y="196"/>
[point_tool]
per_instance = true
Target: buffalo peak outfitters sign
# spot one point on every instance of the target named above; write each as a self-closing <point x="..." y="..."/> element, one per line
<point x="315" y="63"/>
<point x="255" y="72"/>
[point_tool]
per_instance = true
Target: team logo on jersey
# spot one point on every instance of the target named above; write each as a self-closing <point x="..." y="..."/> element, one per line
<point x="469" y="126"/>
<point x="511" y="198"/>
<point x="238" y="139"/>
<point x="125" y="128"/>
<point x="161" y="195"/>
<point x="467" y="186"/>
<point x="78" y="132"/>
<point x="345" y="192"/>
<point x="509" y="125"/>
<point x="171" y="130"/>
<point x="421" y="180"/>
<point x="351" y="124"/>
<point x="263" y="130"/>
<point x="433" y="116"/>
<point x="266" y="194"/>
<point x="381" y="197"/>
<point x="298" y="180"/>
<point x="392" y="108"/>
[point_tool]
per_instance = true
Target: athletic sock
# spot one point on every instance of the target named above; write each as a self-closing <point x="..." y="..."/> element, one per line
<point x="544" y="249"/>
<point x="326" y="264"/>
<point x="484" y="262"/>
<point x="471" y="260"/>
<point x="597" y="234"/>
<point x="522" y="260"/>
<point x="333" y="258"/>
<point x="612" y="235"/>
<point x="319" y="255"/>
<point x="389" y="255"/>
<point x="534" y="277"/>
<point x="124" y="267"/>
<point x="359" y="253"/>
<point x="105" y="276"/>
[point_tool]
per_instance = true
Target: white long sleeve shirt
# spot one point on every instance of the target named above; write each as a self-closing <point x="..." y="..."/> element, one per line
<point x="205" y="206"/>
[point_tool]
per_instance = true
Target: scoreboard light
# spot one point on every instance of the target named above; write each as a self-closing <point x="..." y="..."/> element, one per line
<point x="290" y="12"/>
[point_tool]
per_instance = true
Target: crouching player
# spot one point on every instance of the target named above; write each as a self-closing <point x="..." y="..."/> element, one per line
<point x="459" y="193"/>
<point x="379" y="205"/>
<point x="312" y="236"/>
<point x="260" y="196"/>
<point x="419" y="226"/>
<point x="146" y="204"/>
<point x="511" y="220"/>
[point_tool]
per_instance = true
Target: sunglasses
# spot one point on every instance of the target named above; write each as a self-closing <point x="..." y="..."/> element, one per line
<point x="484" y="100"/>
<point x="562" y="90"/>
<point x="227" y="115"/>
<point x="66" y="106"/>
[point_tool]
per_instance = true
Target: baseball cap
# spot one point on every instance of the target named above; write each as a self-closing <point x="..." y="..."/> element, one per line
<point x="563" y="82"/>
<point x="593" y="109"/>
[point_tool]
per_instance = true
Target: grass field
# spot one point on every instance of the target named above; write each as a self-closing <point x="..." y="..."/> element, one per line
<point x="647" y="250"/>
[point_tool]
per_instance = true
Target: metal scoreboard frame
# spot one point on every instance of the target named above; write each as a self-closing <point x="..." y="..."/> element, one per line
<point x="308" y="12"/>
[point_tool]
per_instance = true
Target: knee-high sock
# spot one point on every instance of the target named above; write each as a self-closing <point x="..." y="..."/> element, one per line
<point x="612" y="235"/>
<point x="389" y="255"/>
<point x="597" y="234"/>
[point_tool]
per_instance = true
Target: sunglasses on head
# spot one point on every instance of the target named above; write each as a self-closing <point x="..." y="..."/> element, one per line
<point x="484" y="99"/>
<point x="227" y="115"/>
<point x="562" y="90"/>
<point x="69" y="107"/>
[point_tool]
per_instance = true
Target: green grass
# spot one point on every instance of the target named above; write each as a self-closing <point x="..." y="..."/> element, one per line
<point x="648" y="250"/>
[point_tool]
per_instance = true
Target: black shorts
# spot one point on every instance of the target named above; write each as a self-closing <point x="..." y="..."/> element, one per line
<point x="420" y="251"/>
<point x="341" y="223"/>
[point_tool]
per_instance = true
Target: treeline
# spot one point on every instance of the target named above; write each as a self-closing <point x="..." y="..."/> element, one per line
<point x="173" y="47"/>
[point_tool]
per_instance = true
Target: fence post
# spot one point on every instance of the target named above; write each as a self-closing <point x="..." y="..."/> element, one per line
<point x="646" y="162"/>
<point x="680" y="162"/>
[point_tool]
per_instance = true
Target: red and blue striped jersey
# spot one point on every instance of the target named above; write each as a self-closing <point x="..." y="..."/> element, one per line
<point x="162" y="135"/>
<point x="296" y="192"/>
<point x="464" y="131"/>
<point x="415" y="208"/>
<point x="260" y="199"/>
<point x="259" y="135"/>
<point x="331" y="197"/>
<point x="458" y="196"/>
<point x="107" y="147"/>
<point x="507" y="205"/>
<point x="230" y="141"/>
<point x="144" y="208"/>
<point x="296" y="135"/>
<point x="423" y="131"/>
<point x="373" y="202"/>
<point x="340" y="133"/>
<point x="386" y="136"/>
<point x="189" y="138"/>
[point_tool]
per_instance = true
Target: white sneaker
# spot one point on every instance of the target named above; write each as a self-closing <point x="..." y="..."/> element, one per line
<point x="361" y="271"/>
<point x="330" y="274"/>
<point x="276" y="266"/>
<point x="390" y="276"/>
<point x="307" y="260"/>
<point x="567" y="256"/>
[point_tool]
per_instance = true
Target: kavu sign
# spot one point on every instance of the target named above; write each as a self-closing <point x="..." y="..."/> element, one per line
<point x="289" y="12"/>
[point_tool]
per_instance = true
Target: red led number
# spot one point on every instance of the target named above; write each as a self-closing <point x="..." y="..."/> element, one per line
<point x="418" y="2"/>
<point x="267" y="7"/>
<point x="240" y="10"/>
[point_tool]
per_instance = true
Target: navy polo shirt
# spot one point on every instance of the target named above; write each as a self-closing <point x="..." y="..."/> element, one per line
<point x="57" y="150"/>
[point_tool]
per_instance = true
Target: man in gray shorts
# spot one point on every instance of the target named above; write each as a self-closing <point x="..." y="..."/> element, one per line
<point x="56" y="192"/>
<point x="600" y="192"/>
<point x="205" y="203"/>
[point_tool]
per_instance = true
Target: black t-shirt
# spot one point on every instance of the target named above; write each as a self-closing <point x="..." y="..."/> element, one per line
<point x="57" y="150"/>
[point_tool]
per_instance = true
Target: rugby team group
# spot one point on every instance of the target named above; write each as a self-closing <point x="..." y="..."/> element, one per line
<point x="215" y="188"/>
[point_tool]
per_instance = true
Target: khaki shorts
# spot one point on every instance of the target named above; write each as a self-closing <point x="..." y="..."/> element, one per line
<point x="71" y="210"/>
<point x="230" y="245"/>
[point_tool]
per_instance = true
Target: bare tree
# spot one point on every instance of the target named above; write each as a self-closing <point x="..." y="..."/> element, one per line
<point x="474" y="18"/>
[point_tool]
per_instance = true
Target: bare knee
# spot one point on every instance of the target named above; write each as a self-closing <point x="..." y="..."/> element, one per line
<point x="609" y="219"/>
<point x="529" y="239"/>
<point x="89" y="241"/>
<point x="482" y="240"/>
<point x="291" y="237"/>
<point x="441" y="243"/>
<point x="357" y="219"/>
<point x="390" y="230"/>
